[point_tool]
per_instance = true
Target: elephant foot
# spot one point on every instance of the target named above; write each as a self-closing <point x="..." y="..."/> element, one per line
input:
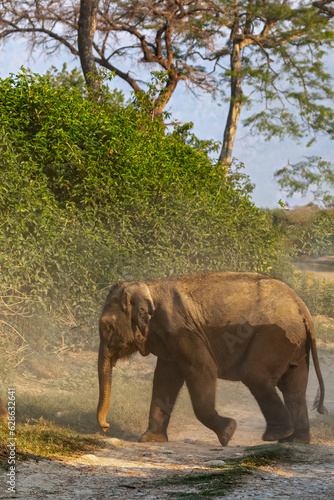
<point x="301" y="438"/>
<point x="277" y="432"/>
<point x="153" y="437"/>
<point x="225" y="435"/>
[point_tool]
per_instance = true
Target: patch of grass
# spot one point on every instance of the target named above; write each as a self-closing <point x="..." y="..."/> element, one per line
<point x="322" y="429"/>
<point x="213" y="484"/>
<point x="267" y="455"/>
<point x="228" y="476"/>
<point x="324" y="328"/>
<point x="45" y="439"/>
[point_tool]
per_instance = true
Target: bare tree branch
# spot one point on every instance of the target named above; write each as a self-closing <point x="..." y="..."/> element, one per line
<point x="190" y="40"/>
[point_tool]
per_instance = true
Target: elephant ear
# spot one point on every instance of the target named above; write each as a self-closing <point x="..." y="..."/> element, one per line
<point x="138" y="303"/>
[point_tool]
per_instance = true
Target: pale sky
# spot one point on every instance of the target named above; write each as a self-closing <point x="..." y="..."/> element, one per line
<point x="261" y="158"/>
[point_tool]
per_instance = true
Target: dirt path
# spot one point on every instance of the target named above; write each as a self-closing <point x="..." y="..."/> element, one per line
<point x="133" y="470"/>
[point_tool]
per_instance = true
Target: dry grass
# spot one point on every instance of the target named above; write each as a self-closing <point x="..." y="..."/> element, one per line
<point x="325" y="328"/>
<point x="322" y="429"/>
<point x="45" y="439"/>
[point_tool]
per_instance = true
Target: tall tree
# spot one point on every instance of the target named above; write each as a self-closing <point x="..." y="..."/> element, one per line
<point x="275" y="52"/>
<point x="86" y="31"/>
<point x="115" y="35"/>
<point x="266" y="53"/>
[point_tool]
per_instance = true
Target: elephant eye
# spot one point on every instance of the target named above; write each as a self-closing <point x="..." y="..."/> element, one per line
<point x="108" y="323"/>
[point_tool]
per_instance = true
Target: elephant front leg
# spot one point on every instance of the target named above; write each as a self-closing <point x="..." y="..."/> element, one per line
<point x="201" y="382"/>
<point x="167" y="383"/>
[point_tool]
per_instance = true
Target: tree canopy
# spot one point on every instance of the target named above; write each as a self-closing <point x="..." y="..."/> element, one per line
<point x="311" y="174"/>
<point x="266" y="53"/>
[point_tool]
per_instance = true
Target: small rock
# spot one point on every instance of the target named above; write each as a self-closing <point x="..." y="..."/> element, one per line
<point x="167" y="452"/>
<point x="115" y="441"/>
<point x="213" y="463"/>
<point x="149" y="454"/>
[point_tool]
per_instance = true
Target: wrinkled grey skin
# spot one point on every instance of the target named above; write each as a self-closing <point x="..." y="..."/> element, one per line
<point x="233" y="326"/>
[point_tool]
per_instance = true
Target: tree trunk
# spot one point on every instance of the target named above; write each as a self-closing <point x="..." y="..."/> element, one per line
<point x="166" y="93"/>
<point x="105" y="372"/>
<point x="86" y="32"/>
<point x="235" y="107"/>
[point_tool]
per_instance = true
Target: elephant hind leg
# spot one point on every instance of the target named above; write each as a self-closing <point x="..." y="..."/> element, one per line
<point x="279" y="422"/>
<point x="266" y="361"/>
<point x="293" y="386"/>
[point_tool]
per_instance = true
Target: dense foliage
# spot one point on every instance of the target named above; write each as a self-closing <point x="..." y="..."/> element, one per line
<point x="309" y="230"/>
<point x="313" y="174"/>
<point x="91" y="193"/>
<point x="309" y="236"/>
<point x="95" y="192"/>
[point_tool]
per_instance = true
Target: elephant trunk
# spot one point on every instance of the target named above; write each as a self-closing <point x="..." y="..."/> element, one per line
<point x="105" y="372"/>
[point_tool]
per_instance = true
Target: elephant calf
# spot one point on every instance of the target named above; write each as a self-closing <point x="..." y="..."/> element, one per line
<point x="234" y="326"/>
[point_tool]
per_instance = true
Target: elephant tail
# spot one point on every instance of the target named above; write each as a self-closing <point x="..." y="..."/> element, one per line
<point x="319" y="399"/>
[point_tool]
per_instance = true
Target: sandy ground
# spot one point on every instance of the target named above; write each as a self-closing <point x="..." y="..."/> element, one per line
<point x="127" y="470"/>
<point x="133" y="470"/>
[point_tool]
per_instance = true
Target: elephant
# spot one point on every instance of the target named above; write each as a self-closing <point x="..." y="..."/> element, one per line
<point x="238" y="326"/>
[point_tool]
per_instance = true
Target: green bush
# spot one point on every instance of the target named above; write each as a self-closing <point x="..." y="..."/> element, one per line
<point x="318" y="239"/>
<point x="317" y="294"/>
<point x="93" y="192"/>
<point x="309" y="230"/>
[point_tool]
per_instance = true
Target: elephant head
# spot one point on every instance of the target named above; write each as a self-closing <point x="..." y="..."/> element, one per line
<point x="123" y="330"/>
